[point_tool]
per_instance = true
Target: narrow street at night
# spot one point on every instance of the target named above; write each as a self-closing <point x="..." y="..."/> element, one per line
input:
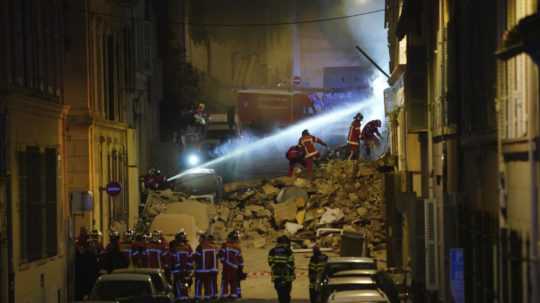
<point x="261" y="151"/>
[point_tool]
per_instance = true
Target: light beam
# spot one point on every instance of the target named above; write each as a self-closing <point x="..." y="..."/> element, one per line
<point x="372" y="108"/>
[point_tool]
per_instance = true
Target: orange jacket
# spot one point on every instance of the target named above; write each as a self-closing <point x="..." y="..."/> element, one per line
<point x="308" y="142"/>
<point x="354" y="133"/>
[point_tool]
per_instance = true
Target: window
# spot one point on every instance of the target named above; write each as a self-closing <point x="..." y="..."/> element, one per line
<point x="110" y="76"/>
<point x="38" y="200"/>
<point x="514" y="79"/>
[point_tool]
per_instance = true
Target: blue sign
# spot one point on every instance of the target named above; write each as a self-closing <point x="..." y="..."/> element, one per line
<point x="113" y="188"/>
<point x="457" y="275"/>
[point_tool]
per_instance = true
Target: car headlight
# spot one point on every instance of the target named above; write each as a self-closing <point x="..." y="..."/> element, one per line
<point x="193" y="160"/>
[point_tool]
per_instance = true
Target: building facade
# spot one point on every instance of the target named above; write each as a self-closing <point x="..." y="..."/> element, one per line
<point x="111" y="84"/>
<point x="100" y="59"/>
<point x="33" y="204"/>
<point x="476" y="170"/>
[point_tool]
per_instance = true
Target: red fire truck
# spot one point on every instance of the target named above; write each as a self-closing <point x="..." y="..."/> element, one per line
<point x="262" y="110"/>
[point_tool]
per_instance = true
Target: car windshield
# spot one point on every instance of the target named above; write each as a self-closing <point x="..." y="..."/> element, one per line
<point x="112" y="290"/>
<point x="333" y="268"/>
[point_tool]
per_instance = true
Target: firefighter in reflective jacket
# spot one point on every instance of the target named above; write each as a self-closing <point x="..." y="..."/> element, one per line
<point x="125" y="244"/>
<point x="138" y="251"/>
<point x="281" y="262"/>
<point x="295" y="155"/>
<point x="371" y="135"/>
<point x="181" y="265"/>
<point x="155" y="249"/>
<point x="317" y="263"/>
<point x="308" y="142"/>
<point x="206" y="268"/>
<point x="353" y="138"/>
<point x="233" y="264"/>
<point x="112" y="257"/>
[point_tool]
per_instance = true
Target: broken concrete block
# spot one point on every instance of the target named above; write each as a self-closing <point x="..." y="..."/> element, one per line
<point x="300" y="182"/>
<point x="331" y="215"/>
<point x="326" y="188"/>
<point x="285" y="211"/>
<point x="362" y="212"/>
<point x="293" y="228"/>
<point x="269" y="189"/>
<point x="300" y="216"/>
<point x="258" y="211"/>
<point x="291" y="192"/>
<point x="300" y="202"/>
<point x="200" y="211"/>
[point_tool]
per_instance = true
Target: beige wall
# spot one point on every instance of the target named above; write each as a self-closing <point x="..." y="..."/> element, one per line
<point x="37" y="123"/>
<point x="93" y="136"/>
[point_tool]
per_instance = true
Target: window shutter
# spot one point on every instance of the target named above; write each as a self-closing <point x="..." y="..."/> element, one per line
<point x="23" y="202"/>
<point x="34" y="224"/>
<point x="430" y="219"/>
<point x="51" y="171"/>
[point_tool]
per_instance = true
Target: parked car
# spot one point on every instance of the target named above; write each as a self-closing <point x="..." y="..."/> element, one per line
<point x="126" y="287"/>
<point x="337" y="284"/>
<point x="338" y="264"/>
<point x="356" y="273"/>
<point x="358" y="296"/>
<point x="157" y="275"/>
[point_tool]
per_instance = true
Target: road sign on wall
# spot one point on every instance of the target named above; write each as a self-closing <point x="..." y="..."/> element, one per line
<point x="113" y="188"/>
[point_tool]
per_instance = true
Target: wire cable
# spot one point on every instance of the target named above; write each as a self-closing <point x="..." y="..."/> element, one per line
<point x="244" y="24"/>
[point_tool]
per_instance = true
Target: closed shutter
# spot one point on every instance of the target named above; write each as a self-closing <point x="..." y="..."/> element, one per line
<point x="23" y="202"/>
<point x="35" y="206"/>
<point x="430" y="219"/>
<point x="51" y="208"/>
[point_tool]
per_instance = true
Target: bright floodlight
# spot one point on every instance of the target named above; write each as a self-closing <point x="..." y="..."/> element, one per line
<point x="193" y="160"/>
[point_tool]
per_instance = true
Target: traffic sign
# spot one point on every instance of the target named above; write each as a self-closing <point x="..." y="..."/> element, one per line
<point x="297" y="80"/>
<point x="113" y="188"/>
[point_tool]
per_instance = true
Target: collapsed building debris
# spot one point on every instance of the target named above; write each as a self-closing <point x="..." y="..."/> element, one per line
<point x="340" y="195"/>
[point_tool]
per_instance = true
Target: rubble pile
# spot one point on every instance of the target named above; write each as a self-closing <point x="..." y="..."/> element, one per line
<point x="339" y="195"/>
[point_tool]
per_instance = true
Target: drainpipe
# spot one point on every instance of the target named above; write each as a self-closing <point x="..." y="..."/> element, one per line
<point x="532" y="134"/>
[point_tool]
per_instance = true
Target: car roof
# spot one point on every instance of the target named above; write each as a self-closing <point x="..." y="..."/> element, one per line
<point x="350" y="280"/>
<point x="125" y="277"/>
<point x="355" y="272"/>
<point x="368" y="295"/>
<point x="350" y="260"/>
<point x="268" y="91"/>
<point x="141" y="270"/>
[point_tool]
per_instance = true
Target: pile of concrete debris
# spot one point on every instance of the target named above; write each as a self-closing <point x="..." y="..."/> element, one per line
<point x="341" y="195"/>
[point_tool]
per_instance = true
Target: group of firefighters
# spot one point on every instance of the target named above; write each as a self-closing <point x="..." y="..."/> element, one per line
<point x="305" y="152"/>
<point x="281" y="263"/>
<point x="179" y="261"/>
